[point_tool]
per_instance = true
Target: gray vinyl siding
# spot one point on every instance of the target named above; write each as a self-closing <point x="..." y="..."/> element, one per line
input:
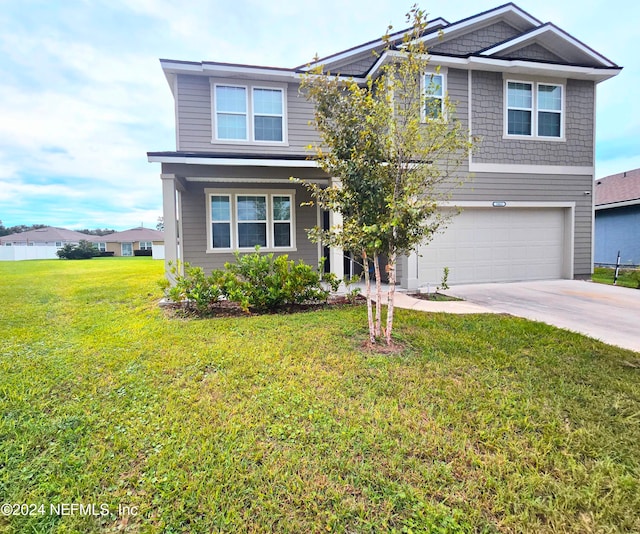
<point x="476" y="40"/>
<point x="458" y="89"/>
<point x="194" y="120"/>
<point x="535" y="52"/>
<point x="488" y="122"/>
<point x="193" y="206"/>
<point x="356" y="65"/>
<point x="541" y="188"/>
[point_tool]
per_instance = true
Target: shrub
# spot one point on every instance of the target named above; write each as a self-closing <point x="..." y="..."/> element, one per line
<point x="193" y="288"/>
<point x="255" y="282"/>
<point x="82" y="251"/>
<point x="266" y="283"/>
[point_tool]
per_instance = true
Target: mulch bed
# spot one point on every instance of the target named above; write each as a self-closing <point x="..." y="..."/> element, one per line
<point x="226" y="308"/>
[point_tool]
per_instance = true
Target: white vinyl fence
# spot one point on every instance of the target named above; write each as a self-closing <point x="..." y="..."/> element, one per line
<point x="158" y="252"/>
<point x="28" y="253"/>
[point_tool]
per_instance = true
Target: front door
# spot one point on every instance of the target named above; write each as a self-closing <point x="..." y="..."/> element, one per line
<point x="127" y="249"/>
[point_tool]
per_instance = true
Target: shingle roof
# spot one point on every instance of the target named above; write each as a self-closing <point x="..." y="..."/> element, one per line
<point x="622" y="187"/>
<point x="45" y="235"/>
<point x="131" y="235"/>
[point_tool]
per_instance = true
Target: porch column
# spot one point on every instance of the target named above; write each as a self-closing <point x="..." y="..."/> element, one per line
<point x="410" y="278"/>
<point x="336" y="255"/>
<point x="170" y="214"/>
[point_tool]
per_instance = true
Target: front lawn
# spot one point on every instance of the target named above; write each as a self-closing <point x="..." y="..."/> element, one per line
<point x="626" y="277"/>
<point x="282" y="423"/>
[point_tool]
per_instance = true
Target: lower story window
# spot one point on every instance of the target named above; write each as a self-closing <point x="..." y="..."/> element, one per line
<point x="246" y="219"/>
<point x="146" y="245"/>
<point x="102" y="247"/>
<point x="252" y="221"/>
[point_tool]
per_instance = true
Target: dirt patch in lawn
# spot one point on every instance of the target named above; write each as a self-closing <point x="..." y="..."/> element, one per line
<point x="435" y="297"/>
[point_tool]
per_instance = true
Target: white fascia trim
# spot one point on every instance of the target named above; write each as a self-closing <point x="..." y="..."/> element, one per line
<point x="241" y="69"/>
<point x="234" y="162"/>
<point x="202" y="68"/>
<point x="634" y="202"/>
<point x="530" y="169"/>
<point x="235" y="180"/>
<point x="509" y="204"/>
<point x="541" y="31"/>
<point x="507" y="66"/>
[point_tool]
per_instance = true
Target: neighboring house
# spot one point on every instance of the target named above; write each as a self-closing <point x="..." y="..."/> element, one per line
<point x="50" y="236"/>
<point x="617" y="206"/>
<point x="133" y="242"/>
<point x="525" y="87"/>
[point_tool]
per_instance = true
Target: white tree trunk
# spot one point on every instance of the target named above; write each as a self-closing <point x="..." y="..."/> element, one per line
<point x="376" y="268"/>
<point x="367" y="282"/>
<point x="392" y="293"/>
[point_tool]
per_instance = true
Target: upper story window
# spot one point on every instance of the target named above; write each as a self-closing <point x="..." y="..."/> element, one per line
<point x="434" y="91"/>
<point x="251" y="114"/>
<point x="268" y="114"/>
<point x="231" y="112"/>
<point x="534" y="109"/>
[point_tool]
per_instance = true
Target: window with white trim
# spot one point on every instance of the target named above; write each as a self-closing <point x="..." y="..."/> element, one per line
<point x="220" y="213"/>
<point x="268" y="114"/>
<point x="146" y="245"/>
<point x="281" y="205"/>
<point x="434" y="91"/>
<point x="534" y="109"/>
<point x="252" y="220"/>
<point x="549" y="110"/>
<point x="231" y="112"/>
<point x="102" y="247"/>
<point x="246" y="219"/>
<point x="247" y="113"/>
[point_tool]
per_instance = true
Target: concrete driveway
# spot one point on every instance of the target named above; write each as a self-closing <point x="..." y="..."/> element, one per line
<point x="608" y="313"/>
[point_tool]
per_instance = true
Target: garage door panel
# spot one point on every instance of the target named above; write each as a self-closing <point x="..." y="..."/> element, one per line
<point x="492" y="245"/>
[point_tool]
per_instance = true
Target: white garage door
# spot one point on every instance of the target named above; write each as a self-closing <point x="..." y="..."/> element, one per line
<point x="497" y="245"/>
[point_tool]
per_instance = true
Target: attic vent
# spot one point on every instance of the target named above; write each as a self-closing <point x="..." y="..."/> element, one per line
<point x="599" y="183"/>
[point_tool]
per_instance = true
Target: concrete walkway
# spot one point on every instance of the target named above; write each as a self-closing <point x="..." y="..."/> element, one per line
<point x="402" y="300"/>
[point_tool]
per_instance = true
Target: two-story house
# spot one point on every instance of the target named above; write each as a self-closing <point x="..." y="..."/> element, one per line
<point x="526" y="88"/>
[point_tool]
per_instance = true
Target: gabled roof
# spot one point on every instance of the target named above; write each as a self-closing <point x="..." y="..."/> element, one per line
<point x="556" y="40"/>
<point x="49" y="234"/>
<point x="509" y="13"/>
<point x="579" y="60"/>
<point x="131" y="235"/>
<point x="432" y="27"/>
<point x="618" y="190"/>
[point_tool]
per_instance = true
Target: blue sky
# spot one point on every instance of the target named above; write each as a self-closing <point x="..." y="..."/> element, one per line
<point x="83" y="97"/>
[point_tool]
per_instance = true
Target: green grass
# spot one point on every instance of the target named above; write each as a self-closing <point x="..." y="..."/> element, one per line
<point x="282" y="423"/>
<point x="626" y="277"/>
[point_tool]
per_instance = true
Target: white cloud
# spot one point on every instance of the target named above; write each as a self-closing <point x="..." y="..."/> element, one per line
<point x="83" y="97"/>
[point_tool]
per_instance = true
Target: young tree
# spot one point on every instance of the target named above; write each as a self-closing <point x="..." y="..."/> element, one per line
<point x="395" y="147"/>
